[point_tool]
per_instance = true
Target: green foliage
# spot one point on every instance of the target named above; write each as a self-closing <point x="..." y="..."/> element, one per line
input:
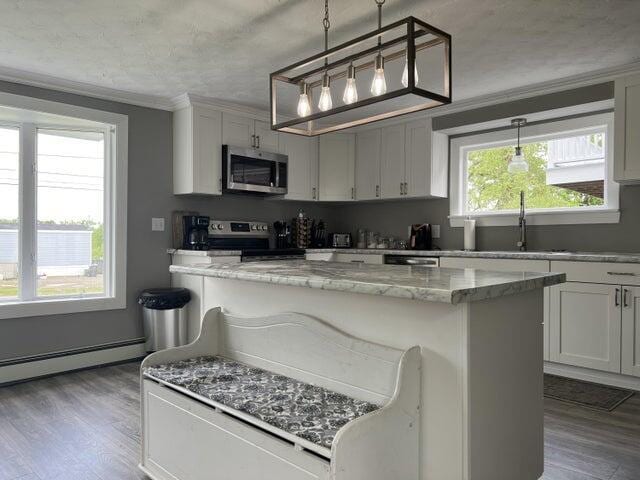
<point x="492" y="187"/>
<point x="97" y="243"/>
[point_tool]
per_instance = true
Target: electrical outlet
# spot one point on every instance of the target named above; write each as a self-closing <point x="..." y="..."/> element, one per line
<point x="435" y="231"/>
<point x="157" y="224"/>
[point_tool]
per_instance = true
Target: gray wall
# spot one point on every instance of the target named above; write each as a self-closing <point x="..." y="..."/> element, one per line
<point x="150" y="195"/>
<point x="392" y="218"/>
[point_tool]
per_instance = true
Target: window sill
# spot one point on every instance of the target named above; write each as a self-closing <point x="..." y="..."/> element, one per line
<point x="539" y="218"/>
<point x="57" y="306"/>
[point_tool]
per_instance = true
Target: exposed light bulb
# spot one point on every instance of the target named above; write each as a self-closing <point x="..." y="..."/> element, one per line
<point x="350" y="91"/>
<point x="325" y="103"/>
<point x="405" y="74"/>
<point x="518" y="163"/>
<point x="379" y="83"/>
<point x="304" y="105"/>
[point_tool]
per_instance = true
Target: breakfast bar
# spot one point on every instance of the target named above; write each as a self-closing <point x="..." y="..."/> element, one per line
<point x="479" y="333"/>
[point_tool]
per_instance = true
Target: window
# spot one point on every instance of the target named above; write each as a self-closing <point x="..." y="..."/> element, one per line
<point x="569" y="178"/>
<point x="62" y="208"/>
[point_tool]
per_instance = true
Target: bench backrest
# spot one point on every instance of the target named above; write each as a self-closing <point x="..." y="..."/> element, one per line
<point x="309" y="350"/>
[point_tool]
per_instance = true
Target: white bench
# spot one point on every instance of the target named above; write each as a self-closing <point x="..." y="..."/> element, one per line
<point x="188" y="436"/>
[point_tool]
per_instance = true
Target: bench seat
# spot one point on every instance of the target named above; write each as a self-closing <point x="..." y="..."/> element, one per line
<point x="307" y="411"/>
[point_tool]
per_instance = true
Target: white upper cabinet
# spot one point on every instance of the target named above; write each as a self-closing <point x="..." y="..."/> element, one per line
<point x="197" y="151"/>
<point x="302" y="166"/>
<point x="392" y="171"/>
<point x="627" y="130"/>
<point x="240" y="131"/>
<point x="265" y="138"/>
<point x="237" y="131"/>
<point x="337" y="167"/>
<point x="368" y="145"/>
<point x="426" y="160"/>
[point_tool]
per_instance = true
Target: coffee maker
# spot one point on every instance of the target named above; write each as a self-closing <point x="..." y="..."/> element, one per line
<point x="196" y="232"/>
<point x="420" y="236"/>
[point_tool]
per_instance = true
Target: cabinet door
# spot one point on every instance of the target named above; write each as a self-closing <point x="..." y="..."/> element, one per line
<point x="627" y="131"/>
<point x="418" y="156"/>
<point x="302" y="166"/>
<point x="631" y="331"/>
<point x="585" y="322"/>
<point x="207" y="151"/>
<point x="266" y="139"/>
<point x="337" y="167"/>
<point x="368" y="165"/>
<point x="197" y="151"/>
<point x="237" y="131"/>
<point x="392" y="171"/>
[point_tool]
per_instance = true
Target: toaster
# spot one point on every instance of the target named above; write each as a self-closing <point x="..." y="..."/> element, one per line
<point x="341" y="240"/>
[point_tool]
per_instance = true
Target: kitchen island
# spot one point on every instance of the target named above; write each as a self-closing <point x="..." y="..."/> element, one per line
<point x="480" y="333"/>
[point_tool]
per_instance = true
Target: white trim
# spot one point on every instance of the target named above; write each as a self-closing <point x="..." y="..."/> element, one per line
<point x="175" y="103"/>
<point x="116" y="130"/>
<point x="39" y="368"/>
<point x="595" y="376"/>
<point x="189" y="99"/>
<point x="79" y="88"/>
<point x="609" y="213"/>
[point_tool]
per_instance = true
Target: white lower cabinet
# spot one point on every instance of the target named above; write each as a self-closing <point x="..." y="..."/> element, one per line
<point x="585" y="321"/>
<point x="631" y="331"/>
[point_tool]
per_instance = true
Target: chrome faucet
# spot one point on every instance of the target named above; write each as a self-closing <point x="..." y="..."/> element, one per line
<point x="522" y="224"/>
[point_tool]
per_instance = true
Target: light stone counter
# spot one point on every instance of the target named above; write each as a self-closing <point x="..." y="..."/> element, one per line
<point x="448" y="285"/>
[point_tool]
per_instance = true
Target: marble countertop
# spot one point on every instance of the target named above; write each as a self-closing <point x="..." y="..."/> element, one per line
<point x="611" y="257"/>
<point x="448" y="285"/>
<point x="205" y="253"/>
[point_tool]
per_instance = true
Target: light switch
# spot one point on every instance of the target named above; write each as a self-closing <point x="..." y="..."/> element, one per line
<point x="157" y="224"/>
<point x="435" y="231"/>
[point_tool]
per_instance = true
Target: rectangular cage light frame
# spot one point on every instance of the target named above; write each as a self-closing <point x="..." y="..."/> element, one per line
<point x="411" y="38"/>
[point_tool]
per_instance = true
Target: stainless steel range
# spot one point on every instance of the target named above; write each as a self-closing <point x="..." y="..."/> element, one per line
<point x="251" y="238"/>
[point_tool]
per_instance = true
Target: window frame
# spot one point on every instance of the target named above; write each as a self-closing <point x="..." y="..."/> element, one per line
<point x="36" y="114"/>
<point x="460" y="145"/>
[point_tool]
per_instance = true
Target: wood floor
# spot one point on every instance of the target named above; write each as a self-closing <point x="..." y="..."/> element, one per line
<point x="85" y="426"/>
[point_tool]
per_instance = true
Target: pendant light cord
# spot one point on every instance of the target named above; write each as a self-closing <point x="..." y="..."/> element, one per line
<point x="326" y="24"/>
<point x="379" y="3"/>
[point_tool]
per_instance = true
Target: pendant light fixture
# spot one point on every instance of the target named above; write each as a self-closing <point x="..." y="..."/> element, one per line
<point x="518" y="163"/>
<point x="379" y="83"/>
<point x="405" y="73"/>
<point x="304" y="103"/>
<point x="325" y="103"/>
<point x="350" y="90"/>
<point x="378" y="53"/>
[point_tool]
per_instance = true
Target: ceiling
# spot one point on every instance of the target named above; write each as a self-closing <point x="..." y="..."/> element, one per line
<point x="225" y="49"/>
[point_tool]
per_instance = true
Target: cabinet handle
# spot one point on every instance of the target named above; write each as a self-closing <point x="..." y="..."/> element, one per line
<point x="401" y="192"/>
<point x="313" y="193"/>
<point x="406" y="188"/>
<point x="353" y="193"/>
<point x="617" y="298"/>
<point x="220" y="180"/>
<point x="356" y="261"/>
<point x="377" y="191"/>
<point x="257" y="141"/>
<point x="625" y="300"/>
<point x="253" y="141"/>
<point x="626" y="274"/>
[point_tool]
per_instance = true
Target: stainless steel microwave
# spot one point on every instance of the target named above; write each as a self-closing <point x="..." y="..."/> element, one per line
<point x="249" y="170"/>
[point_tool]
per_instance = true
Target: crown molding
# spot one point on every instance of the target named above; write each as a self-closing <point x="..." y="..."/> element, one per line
<point x="186" y="99"/>
<point x="79" y="88"/>
<point x="189" y="99"/>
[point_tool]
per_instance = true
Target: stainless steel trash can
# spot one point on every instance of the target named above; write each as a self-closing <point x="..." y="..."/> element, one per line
<point x="164" y="317"/>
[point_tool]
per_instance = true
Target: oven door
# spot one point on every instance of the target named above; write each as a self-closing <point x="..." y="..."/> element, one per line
<point x="251" y="170"/>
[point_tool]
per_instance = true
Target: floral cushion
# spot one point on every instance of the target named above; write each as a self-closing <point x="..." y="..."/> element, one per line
<point x="307" y="411"/>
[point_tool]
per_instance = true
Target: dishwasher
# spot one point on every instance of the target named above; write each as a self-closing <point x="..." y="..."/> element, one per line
<point x="411" y="260"/>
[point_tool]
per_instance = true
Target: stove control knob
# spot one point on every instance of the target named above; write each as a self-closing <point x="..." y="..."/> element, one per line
<point x="254" y="227"/>
<point x="220" y="226"/>
<point x="263" y="227"/>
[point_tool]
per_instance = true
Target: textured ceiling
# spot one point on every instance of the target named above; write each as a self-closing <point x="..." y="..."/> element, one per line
<point x="225" y="49"/>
